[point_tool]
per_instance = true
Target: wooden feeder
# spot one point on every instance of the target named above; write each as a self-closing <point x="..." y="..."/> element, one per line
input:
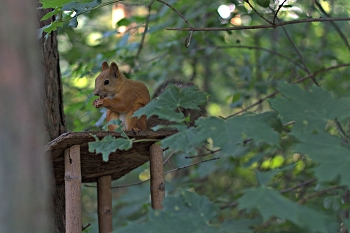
<point x="73" y="165"/>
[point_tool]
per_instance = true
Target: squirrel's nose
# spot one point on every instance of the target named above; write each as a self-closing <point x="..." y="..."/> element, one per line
<point x="95" y="92"/>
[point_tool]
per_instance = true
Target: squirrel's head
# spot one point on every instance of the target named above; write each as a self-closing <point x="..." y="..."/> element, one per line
<point x="109" y="82"/>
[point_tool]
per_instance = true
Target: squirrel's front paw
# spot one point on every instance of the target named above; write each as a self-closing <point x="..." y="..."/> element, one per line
<point x="98" y="103"/>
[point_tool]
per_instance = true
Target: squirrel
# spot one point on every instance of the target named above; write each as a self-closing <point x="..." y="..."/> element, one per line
<point x="122" y="97"/>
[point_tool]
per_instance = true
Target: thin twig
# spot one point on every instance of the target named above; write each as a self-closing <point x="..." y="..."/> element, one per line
<point x="253" y="47"/>
<point x="297" y="81"/>
<point x="341" y="34"/>
<point x="279" y="8"/>
<point x="296" y="49"/>
<point x="177" y="12"/>
<point x="84" y="228"/>
<point x="319" y="193"/>
<point x="299" y="185"/>
<point x="190" y="165"/>
<point x="166" y="160"/>
<point x="260" y="26"/>
<point x="197" y="156"/>
<point x="188" y="39"/>
<point x="342" y="133"/>
<point x="321" y="71"/>
<point x="145" y="31"/>
<point x="232" y="204"/>
<point x="299" y="54"/>
<point x="173" y="170"/>
<point x="261" y="16"/>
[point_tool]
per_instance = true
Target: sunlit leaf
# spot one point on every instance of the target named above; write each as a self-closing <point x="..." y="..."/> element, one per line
<point x="53" y="3"/>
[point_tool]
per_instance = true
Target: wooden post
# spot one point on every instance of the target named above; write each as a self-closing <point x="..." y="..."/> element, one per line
<point x="104" y="196"/>
<point x="73" y="189"/>
<point x="157" y="176"/>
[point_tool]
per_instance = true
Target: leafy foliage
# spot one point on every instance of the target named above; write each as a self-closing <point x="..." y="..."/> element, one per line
<point x="108" y="145"/>
<point x="283" y="163"/>
<point x="172" y="99"/>
<point x="188" y="212"/>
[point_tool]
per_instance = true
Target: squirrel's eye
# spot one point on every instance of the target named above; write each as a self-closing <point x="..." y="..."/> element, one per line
<point x="106" y="82"/>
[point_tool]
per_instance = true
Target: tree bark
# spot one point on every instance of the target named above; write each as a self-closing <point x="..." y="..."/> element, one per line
<point x="24" y="173"/>
<point x="53" y="108"/>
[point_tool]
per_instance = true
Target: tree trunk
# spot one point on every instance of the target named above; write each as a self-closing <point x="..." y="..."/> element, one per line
<point x="53" y="110"/>
<point x="24" y="173"/>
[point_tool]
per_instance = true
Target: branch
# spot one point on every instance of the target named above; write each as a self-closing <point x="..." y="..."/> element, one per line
<point x="254" y="47"/>
<point x="177" y="12"/>
<point x="171" y="154"/>
<point x="84" y="228"/>
<point x="342" y="36"/>
<point x="297" y="81"/>
<point x="261" y="16"/>
<point x="319" y="193"/>
<point x="298" y="185"/>
<point x="173" y="170"/>
<point x="235" y="203"/>
<point x="190" y="165"/>
<point x="188" y="39"/>
<point x="275" y="16"/>
<point x="145" y="31"/>
<point x="202" y="155"/>
<point x="260" y="26"/>
<point x="321" y="71"/>
<point x="299" y="54"/>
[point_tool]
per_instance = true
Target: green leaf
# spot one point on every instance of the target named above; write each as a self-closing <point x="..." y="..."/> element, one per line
<point x="239" y="226"/>
<point x="265" y="177"/>
<point x="226" y="134"/>
<point x="310" y="110"/>
<point x="187" y="141"/>
<point x="263" y="3"/>
<point x="333" y="202"/>
<point x="51" y="13"/>
<point x="188" y="212"/>
<point x="53" y="3"/>
<point x="81" y="7"/>
<point x="270" y="203"/>
<point x="124" y="22"/>
<point x="52" y="26"/>
<point x="172" y="99"/>
<point x="108" y="145"/>
<point x="332" y="155"/>
<point x="73" y="22"/>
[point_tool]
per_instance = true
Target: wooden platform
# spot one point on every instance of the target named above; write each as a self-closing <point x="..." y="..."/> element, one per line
<point x="92" y="166"/>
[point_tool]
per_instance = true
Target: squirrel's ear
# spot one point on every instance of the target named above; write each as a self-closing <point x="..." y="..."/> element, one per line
<point x="114" y="70"/>
<point x="104" y="66"/>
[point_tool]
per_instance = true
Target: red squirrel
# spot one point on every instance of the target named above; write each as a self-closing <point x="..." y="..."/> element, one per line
<point x="122" y="97"/>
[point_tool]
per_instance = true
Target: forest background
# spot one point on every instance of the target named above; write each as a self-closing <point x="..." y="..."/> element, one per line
<point x="275" y="141"/>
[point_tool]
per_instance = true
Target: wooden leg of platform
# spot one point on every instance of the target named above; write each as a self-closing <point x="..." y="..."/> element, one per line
<point x="104" y="196"/>
<point x="157" y="176"/>
<point x="73" y="189"/>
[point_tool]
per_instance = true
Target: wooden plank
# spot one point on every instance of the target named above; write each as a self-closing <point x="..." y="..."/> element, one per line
<point x="104" y="196"/>
<point x="157" y="176"/>
<point x="73" y="189"/>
